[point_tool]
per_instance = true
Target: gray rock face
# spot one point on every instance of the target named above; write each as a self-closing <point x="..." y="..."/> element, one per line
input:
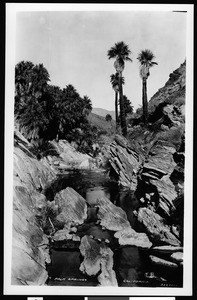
<point x="72" y="207"/>
<point x="157" y="170"/>
<point x="156" y="228"/>
<point x="69" y="158"/>
<point x="29" y="243"/>
<point x="32" y="173"/>
<point x="125" y="161"/>
<point x="28" y="256"/>
<point x="174" y="89"/>
<point x="97" y="258"/>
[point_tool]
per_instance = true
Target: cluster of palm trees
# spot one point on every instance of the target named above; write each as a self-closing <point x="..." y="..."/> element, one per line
<point x="121" y="52"/>
<point x="44" y="112"/>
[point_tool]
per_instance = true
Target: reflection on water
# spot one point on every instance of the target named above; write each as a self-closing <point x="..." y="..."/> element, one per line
<point x="92" y="194"/>
<point x="85" y="180"/>
<point x="130" y="263"/>
<point x="64" y="269"/>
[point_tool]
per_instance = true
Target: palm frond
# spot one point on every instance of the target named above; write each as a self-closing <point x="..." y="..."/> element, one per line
<point x="114" y="79"/>
<point x="145" y="56"/>
<point x="153" y="63"/>
<point x="120" y="51"/>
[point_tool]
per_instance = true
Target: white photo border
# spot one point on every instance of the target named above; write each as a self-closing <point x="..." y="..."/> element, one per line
<point x="11" y="10"/>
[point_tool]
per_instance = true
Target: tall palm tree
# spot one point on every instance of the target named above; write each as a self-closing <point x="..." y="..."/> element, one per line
<point x="87" y="105"/>
<point x="115" y="85"/>
<point x="145" y="58"/>
<point x="120" y="51"/>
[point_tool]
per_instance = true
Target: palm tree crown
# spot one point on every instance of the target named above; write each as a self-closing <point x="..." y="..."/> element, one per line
<point x="121" y="52"/>
<point x="115" y="81"/>
<point x="145" y="58"/>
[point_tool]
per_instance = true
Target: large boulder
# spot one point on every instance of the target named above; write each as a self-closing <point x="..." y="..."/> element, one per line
<point x="66" y="212"/>
<point x="177" y="257"/>
<point x="72" y="207"/>
<point x="97" y="258"/>
<point x="111" y="216"/>
<point x="130" y="237"/>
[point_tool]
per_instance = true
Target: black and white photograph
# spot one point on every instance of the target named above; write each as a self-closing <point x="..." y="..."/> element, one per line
<point x="98" y="149"/>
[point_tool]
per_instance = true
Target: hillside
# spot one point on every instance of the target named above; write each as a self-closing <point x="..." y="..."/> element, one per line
<point x="103" y="112"/>
<point x="173" y="92"/>
<point x="101" y="123"/>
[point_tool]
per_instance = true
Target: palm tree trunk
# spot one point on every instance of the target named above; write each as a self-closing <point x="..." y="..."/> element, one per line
<point x="144" y="100"/>
<point x="122" y="109"/>
<point x="116" y="109"/>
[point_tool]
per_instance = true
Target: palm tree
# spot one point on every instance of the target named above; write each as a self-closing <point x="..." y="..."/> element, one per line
<point x="145" y="58"/>
<point x="108" y="118"/>
<point x="39" y="81"/>
<point x="23" y="77"/>
<point x="115" y="85"/>
<point x="121" y="54"/>
<point x="87" y="105"/>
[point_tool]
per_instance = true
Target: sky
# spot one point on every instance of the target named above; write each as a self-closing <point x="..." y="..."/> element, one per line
<point x="73" y="47"/>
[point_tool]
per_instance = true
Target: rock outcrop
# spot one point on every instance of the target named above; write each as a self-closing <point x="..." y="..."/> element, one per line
<point x="30" y="244"/>
<point x="125" y="161"/>
<point x="156" y="228"/>
<point x="151" y="161"/>
<point x="114" y="218"/>
<point x="68" y="158"/>
<point x="173" y="91"/>
<point x="28" y="171"/>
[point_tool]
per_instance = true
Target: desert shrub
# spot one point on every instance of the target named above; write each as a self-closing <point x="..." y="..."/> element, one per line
<point x="42" y="148"/>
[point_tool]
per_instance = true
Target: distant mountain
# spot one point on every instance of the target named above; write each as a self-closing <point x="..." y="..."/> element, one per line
<point x="103" y="112"/>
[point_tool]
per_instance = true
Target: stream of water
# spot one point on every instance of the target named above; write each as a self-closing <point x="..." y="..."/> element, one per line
<point x="131" y="264"/>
